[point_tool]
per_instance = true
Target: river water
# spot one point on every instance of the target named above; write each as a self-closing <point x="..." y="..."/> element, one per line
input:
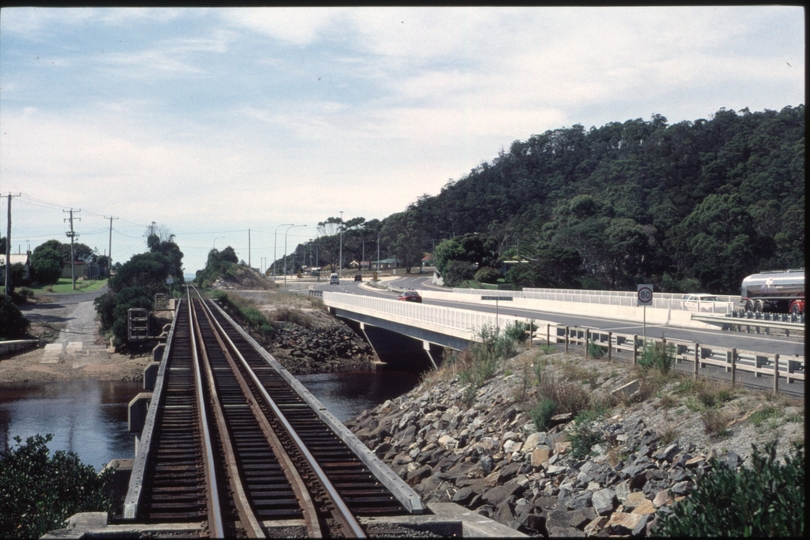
<point x="90" y="417"/>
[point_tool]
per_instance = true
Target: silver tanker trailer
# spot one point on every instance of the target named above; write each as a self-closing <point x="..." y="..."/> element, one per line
<point x="780" y="291"/>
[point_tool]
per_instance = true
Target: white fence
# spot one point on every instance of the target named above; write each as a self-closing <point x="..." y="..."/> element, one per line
<point x="668" y="301"/>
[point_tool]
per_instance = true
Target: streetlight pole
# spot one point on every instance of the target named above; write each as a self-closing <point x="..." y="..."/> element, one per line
<point x="215" y="241"/>
<point x="378" y="250"/>
<point x="285" y="250"/>
<point x="275" y="241"/>
<point x="340" y="262"/>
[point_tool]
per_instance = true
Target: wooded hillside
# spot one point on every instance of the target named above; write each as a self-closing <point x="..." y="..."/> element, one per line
<point x="689" y="206"/>
<point x="640" y="201"/>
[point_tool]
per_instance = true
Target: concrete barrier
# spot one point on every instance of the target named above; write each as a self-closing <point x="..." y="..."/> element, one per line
<point x="8" y="347"/>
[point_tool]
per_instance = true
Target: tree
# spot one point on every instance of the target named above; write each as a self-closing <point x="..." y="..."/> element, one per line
<point x="46" y="265"/>
<point x="13" y="324"/>
<point x="446" y="251"/>
<point x="38" y="492"/>
<point x="401" y="233"/>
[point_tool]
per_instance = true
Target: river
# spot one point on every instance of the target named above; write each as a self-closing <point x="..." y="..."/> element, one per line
<point x="90" y="417"/>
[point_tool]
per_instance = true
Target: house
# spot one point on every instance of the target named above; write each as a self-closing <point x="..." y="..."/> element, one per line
<point x="20" y="258"/>
<point x="386" y="263"/>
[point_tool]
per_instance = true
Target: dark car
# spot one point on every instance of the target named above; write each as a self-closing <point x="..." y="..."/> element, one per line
<point x="410" y="296"/>
<point x="358" y="277"/>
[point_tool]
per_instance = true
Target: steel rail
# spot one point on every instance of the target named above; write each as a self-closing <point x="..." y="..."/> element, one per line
<point x="215" y="523"/>
<point x="246" y="515"/>
<point x="285" y="461"/>
<point x="343" y="513"/>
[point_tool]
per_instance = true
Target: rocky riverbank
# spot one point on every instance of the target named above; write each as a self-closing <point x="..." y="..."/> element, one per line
<point x="632" y="454"/>
<point x="304" y="339"/>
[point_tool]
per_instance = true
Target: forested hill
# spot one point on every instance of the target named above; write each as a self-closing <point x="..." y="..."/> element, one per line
<point x="696" y="204"/>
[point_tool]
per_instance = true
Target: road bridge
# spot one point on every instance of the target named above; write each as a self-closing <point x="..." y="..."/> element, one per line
<point x="429" y="327"/>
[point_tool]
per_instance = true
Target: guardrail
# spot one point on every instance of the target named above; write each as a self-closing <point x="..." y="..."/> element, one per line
<point x="615" y="298"/>
<point x="16" y="345"/>
<point x="466" y="323"/>
<point x="700" y="356"/>
<point x="733" y="323"/>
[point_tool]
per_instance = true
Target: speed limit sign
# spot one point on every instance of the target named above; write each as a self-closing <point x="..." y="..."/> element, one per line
<point x="645" y="295"/>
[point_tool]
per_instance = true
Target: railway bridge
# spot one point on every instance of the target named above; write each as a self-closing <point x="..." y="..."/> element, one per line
<point x="230" y="444"/>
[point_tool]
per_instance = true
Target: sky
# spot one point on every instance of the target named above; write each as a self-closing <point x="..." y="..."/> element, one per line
<point x="225" y="125"/>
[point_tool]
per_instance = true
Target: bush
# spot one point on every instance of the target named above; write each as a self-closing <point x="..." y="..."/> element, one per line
<point x="13" y="325"/>
<point x="542" y="413"/>
<point x="583" y="435"/>
<point x="487" y="275"/>
<point x="113" y="307"/>
<point x="568" y="397"/>
<point x="38" y="492"/>
<point x="595" y="350"/>
<point x="517" y="331"/>
<point x="766" y="499"/>
<point x="457" y="271"/>
<point x="481" y="360"/>
<point x="46" y="265"/>
<point x="655" y="355"/>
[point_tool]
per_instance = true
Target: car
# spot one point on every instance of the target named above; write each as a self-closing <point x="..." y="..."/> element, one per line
<point x="358" y="277"/>
<point x="334" y="279"/>
<point x="410" y="296"/>
<point x="700" y="297"/>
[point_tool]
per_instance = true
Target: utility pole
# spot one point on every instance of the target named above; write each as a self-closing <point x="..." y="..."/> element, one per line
<point x="73" y="235"/>
<point x="109" y="258"/>
<point x="340" y="262"/>
<point x="8" y="247"/>
<point x="249" y="249"/>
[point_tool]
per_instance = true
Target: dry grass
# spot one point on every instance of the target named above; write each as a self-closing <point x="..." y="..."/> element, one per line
<point x="568" y="397"/>
<point x="715" y="422"/>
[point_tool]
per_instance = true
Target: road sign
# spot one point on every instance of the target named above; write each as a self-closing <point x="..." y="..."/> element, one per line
<point x="645" y="295"/>
<point x="496" y="298"/>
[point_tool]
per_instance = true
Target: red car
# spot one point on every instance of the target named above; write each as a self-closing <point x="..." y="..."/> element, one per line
<point x="410" y="296"/>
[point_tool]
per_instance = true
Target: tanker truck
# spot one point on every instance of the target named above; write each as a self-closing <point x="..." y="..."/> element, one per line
<point x="778" y="291"/>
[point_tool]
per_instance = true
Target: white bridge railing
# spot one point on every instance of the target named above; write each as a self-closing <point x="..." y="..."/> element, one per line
<point x="462" y="323"/>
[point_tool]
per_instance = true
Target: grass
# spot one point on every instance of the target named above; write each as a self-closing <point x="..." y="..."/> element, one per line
<point x="766" y="413"/>
<point x="64" y="285"/>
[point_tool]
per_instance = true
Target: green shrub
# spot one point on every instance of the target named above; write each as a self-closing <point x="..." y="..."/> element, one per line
<point x="482" y="359"/>
<point x="13" y="324"/>
<point x="766" y="499"/>
<point x="595" y="350"/>
<point x="518" y="331"/>
<point x="38" y="492"/>
<point x="583" y="435"/>
<point x="656" y="356"/>
<point x="542" y="413"/>
<point x="486" y="274"/>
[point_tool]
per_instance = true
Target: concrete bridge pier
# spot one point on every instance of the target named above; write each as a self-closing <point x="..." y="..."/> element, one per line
<point x="397" y="350"/>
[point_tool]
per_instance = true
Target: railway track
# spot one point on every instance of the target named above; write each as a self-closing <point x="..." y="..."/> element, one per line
<point x="236" y="447"/>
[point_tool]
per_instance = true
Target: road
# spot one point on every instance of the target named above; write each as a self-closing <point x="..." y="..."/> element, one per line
<point x="744" y="342"/>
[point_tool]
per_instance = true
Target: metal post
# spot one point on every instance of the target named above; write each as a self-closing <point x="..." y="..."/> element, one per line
<point x="733" y="366"/>
<point x="635" y="349"/>
<point x="776" y="373"/>
<point x="340" y="262"/>
<point x="610" y="345"/>
<point x="567" y="333"/>
<point x="548" y="334"/>
<point x="275" y="241"/>
<point x="587" y="334"/>
<point x="697" y="359"/>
